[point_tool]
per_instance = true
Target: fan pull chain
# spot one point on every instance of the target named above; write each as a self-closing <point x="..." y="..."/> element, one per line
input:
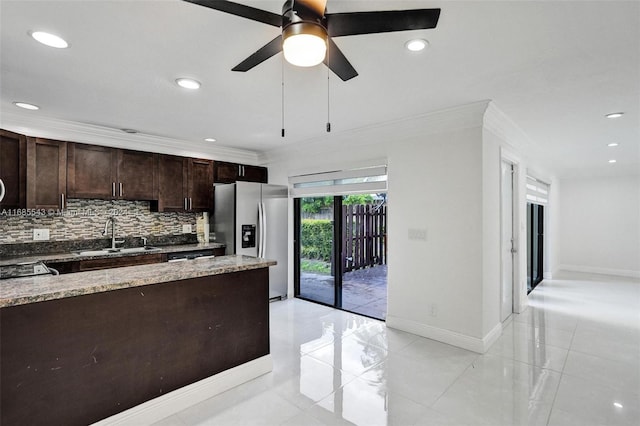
<point x="282" y="79"/>
<point x="328" y="89"/>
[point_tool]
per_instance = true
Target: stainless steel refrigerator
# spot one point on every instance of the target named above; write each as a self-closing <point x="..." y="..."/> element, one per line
<point x="251" y="219"/>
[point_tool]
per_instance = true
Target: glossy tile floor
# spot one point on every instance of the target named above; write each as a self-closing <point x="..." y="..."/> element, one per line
<point x="572" y="358"/>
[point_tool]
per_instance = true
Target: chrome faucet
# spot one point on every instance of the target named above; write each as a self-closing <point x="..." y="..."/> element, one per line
<point x="113" y="232"/>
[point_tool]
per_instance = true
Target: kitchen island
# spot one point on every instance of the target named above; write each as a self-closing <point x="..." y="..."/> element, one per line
<point x="81" y="347"/>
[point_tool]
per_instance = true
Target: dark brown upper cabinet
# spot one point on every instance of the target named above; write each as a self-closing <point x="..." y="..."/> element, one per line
<point x="231" y="172"/>
<point x="110" y="173"/>
<point x="46" y="174"/>
<point x="91" y="171"/>
<point x="200" y="184"/>
<point x="13" y="170"/>
<point x="137" y="175"/>
<point x="173" y="184"/>
<point x="184" y="184"/>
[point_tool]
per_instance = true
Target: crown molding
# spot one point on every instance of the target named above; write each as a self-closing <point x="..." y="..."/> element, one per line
<point x="506" y="129"/>
<point x="409" y="128"/>
<point x="512" y="135"/>
<point x="53" y="128"/>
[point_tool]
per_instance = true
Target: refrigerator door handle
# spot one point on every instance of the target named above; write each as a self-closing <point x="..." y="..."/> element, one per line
<point x="263" y="240"/>
<point x="260" y="229"/>
<point x="2" y="190"/>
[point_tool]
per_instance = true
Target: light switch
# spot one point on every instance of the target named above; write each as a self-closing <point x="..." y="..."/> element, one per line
<point x="417" y="234"/>
<point x="186" y="229"/>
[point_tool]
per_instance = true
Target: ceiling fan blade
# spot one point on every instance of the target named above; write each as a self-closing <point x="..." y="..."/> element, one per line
<point x="317" y="6"/>
<point x="241" y="10"/>
<point x="345" y="24"/>
<point x="264" y="53"/>
<point x="338" y="63"/>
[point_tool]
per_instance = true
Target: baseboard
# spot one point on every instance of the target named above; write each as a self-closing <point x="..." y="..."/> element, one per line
<point x="164" y="406"/>
<point x="446" y="336"/>
<point x="522" y="306"/>
<point x="602" y="271"/>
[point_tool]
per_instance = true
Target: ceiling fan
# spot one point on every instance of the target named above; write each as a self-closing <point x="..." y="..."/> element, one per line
<point x="307" y="30"/>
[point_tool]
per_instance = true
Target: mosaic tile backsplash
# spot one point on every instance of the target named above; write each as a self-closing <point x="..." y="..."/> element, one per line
<point x="85" y="220"/>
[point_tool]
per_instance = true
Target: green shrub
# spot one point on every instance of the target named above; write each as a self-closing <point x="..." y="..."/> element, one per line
<point x="316" y="239"/>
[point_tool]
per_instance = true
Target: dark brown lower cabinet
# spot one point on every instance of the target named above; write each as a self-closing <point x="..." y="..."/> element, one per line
<point x="77" y="360"/>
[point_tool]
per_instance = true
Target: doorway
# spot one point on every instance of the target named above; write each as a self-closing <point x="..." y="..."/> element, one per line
<point x="508" y="246"/>
<point x="340" y="252"/>
<point x="535" y="245"/>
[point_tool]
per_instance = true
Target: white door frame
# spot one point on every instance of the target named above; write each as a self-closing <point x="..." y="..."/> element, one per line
<point x="518" y="211"/>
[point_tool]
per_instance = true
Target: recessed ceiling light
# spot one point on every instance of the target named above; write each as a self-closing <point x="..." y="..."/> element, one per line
<point x="209" y="140"/>
<point x="615" y="115"/>
<point x="188" y="83"/>
<point x="617" y="405"/>
<point x="612" y="161"/>
<point x="612" y="144"/>
<point x="416" y="45"/>
<point x="130" y="131"/>
<point x="50" y="40"/>
<point x="26" y="105"/>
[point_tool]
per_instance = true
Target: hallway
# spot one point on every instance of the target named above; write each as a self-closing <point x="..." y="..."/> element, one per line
<point x="570" y="359"/>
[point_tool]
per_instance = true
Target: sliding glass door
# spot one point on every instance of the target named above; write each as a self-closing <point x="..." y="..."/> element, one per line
<point x="316" y="269"/>
<point x="340" y="252"/>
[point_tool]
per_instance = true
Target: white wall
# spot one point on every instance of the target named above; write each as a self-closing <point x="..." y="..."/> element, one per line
<point x="445" y="287"/>
<point x="600" y="225"/>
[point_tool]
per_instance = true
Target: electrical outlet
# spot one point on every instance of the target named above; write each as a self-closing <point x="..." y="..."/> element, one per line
<point x="40" y="235"/>
<point x="186" y="229"/>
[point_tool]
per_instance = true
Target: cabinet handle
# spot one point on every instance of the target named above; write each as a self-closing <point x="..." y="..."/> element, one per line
<point x="113" y="189"/>
<point x="185" y="204"/>
<point x="121" y="188"/>
<point x="190" y="203"/>
<point x="62" y="201"/>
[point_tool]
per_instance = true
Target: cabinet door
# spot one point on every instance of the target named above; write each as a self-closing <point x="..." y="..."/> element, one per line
<point x="136" y="175"/>
<point x="200" y="185"/>
<point x="46" y="174"/>
<point x="253" y="174"/>
<point x="13" y="159"/>
<point x="173" y="185"/>
<point x="226" y="172"/>
<point x="91" y="171"/>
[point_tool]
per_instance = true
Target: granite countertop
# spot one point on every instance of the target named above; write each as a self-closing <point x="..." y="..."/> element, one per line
<point x="22" y="291"/>
<point x="73" y="256"/>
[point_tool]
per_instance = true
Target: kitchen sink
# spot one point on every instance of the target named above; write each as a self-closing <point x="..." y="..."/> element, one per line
<point x="117" y="251"/>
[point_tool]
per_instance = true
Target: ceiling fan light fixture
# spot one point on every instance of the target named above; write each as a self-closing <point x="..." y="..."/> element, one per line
<point x="416" y="45"/>
<point x="305" y="44"/>
<point x="50" y="40"/>
<point x="188" y="83"/>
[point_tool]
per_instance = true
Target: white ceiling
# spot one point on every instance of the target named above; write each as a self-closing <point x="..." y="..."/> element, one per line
<point x="555" y="68"/>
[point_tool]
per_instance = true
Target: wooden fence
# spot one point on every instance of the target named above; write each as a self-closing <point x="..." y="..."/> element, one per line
<point x="364" y="236"/>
